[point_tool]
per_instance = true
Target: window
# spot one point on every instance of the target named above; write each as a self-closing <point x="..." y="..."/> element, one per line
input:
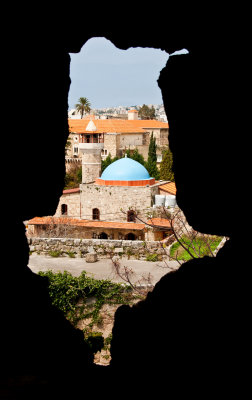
<point x="96" y="213"/>
<point x="63" y="209"/>
<point x="103" y="235"/>
<point x="130" y="236"/>
<point x="131" y="217"/>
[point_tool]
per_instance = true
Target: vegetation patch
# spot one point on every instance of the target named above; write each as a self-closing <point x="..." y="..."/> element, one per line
<point x="70" y="254"/>
<point x="151" y="257"/>
<point x="200" y="246"/>
<point x="81" y="298"/>
<point x="55" y="253"/>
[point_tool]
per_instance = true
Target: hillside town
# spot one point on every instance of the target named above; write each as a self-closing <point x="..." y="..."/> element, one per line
<point x="120" y="112"/>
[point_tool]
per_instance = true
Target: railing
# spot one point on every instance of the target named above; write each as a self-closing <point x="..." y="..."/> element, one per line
<point x="92" y="138"/>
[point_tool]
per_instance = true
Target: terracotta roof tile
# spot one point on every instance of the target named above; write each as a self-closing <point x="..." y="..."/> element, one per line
<point x="74" y="190"/>
<point x="169" y="187"/>
<point x="115" y="125"/>
<point x="159" y="222"/>
<point x="114" y="225"/>
<point x="85" y="223"/>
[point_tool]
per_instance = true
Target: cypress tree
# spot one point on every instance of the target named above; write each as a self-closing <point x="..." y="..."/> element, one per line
<point x="151" y="164"/>
<point x="166" y="172"/>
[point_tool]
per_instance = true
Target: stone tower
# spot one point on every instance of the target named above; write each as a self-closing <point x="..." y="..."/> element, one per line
<point x="91" y="148"/>
<point x="132" y="115"/>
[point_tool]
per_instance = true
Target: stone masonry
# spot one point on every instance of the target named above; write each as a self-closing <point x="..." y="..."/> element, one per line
<point x="135" y="249"/>
<point x="113" y="202"/>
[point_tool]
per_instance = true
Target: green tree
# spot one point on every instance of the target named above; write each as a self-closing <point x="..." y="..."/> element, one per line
<point x="166" y="172"/>
<point x="68" y="146"/>
<point x="107" y="161"/>
<point x="135" y="155"/>
<point x="151" y="164"/>
<point x="73" y="177"/>
<point x="83" y="106"/>
<point x="146" y="112"/>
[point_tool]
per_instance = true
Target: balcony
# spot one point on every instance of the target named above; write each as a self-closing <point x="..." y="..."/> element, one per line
<point x="91" y="138"/>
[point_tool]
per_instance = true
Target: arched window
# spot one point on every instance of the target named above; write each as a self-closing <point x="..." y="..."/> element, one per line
<point x="103" y="235"/>
<point x="131" y="216"/>
<point x="130" y="236"/>
<point x="63" y="209"/>
<point x="96" y="213"/>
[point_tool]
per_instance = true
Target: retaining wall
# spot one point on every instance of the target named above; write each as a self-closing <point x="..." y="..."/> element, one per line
<point x="104" y="248"/>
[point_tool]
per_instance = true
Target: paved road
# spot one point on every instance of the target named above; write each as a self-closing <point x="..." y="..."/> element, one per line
<point x="102" y="269"/>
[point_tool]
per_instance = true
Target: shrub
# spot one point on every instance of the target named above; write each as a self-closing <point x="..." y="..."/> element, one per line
<point x="69" y="294"/>
<point x="70" y="254"/>
<point x="55" y="253"/>
<point x="152" y="257"/>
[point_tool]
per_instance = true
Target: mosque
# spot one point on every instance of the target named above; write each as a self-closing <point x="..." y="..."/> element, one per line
<point x="117" y="204"/>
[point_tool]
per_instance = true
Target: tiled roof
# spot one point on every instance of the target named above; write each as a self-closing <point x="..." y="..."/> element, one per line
<point x="74" y="190"/>
<point x="114" y="225"/>
<point x="52" y="220"/>
<point x="169" y="187"/>
<point x="115" y="125"/>
<point x="149" y="123"/>
<point x="159" y="222"/>
<point x="85" y="223"/>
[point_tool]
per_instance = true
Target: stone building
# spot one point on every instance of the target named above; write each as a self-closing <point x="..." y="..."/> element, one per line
<point x="117" y="135"/>
<point x="113" y="205"/>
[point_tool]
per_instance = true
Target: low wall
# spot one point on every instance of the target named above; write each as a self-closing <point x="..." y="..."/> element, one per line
<point x="104" y="248"/>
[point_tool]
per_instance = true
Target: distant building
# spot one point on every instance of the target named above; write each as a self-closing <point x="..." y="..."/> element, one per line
<point x="117" y="134"/>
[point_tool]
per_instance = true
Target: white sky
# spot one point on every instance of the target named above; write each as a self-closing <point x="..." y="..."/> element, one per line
<point x="110" y="77"/>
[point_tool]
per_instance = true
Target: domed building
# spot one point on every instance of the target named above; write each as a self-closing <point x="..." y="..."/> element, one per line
<point x="111" y="205"/>
<point x="125" y="172"/>
<point x="123" y="193"/>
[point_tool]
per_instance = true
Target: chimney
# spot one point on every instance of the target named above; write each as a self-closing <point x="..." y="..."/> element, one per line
<point x="132" y="115"/>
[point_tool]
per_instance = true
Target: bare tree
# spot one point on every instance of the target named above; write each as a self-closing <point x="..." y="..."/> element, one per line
<point x="196" y="244"/>
<point x="58" y="227"/>
<point x="142" y="285"/>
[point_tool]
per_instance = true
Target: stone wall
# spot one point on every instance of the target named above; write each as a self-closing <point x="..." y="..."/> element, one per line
<point x="111" y="144"/>
<point x="134" y="249"/>
<point x="130" y="140"/>
<point x="161" y="135"/>
<point x="72" y="200"/>
<point x="91" y="162"/>
<point x="113" y="202"/>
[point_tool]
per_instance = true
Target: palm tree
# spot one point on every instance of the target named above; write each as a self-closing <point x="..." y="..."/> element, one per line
<point x="83" y="106"/>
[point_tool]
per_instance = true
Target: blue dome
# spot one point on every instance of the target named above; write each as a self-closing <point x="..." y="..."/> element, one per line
<point x="125" y="169"/>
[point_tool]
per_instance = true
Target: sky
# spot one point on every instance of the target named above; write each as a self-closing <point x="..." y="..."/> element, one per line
<point x="110" y="77"/>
